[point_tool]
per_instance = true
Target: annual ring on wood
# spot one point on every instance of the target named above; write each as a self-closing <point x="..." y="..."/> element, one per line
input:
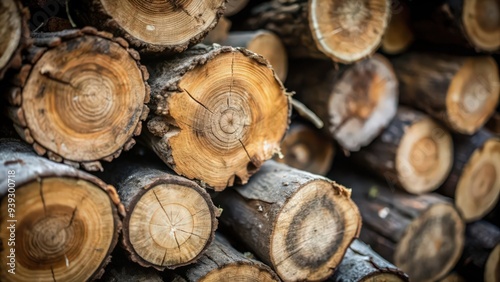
<point x="481" y="21"/>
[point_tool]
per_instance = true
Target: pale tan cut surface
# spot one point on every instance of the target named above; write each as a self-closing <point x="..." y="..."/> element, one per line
<point x="170" y="225"/>
<point x="492" y="268"/>
<point x="348" y="30"/>
<point x="424" y="157"/>
<point x="473" y="94"/>
<point x="478" y="188"/>
<point x="233" y="121"/>
<point x="312" y="232"/>
<point x="163" y="22"/>
<point x="481" y="20"/>
<point x="398" y="36"/>
<point x="383" y="277"/>
<point x="238" y="272"/>
<point x="269" y="45"/>
<point x="432" y="244"/>
<point x="64" y="230"/>
<point x="10" y="30"/>
<point x="84" y="98"/>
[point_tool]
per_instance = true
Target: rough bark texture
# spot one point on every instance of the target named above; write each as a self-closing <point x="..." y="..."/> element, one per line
<point x="123" y="270"/>
<point x="423" y="235"/>
<point x="95" y="119"/>
<point x="289" y="219"/>
<point x="354" y="102"/>
<point x="233" y="120"/>
<point x="462" y="92"/>
<point x="168" y="27"/>
<point x="50" y="243"/>
<point x="14" y="35"/>
<point x="361" y="263"/>
<point x="413" y="153"/>
<point x="474" y="180"/>
<point x="321" y="29"/>
<point x="222" y="262"/>
<point x="170" y="220"/>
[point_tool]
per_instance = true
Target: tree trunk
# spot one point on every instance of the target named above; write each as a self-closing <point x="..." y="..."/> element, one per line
<point x="468" y="23"/>
<point x="123" y="270"/>
<point x="264" y="43"/>
<point x="166" y="27"/>
<point x="481" y="256"/>
<point x="170" y="220"/>
<point x="413" y="153"/>
<point x="79" y="97"/>
<point x="354" y="102"/>
<point x="362" y="264"/>
<point x="423" y="235"/>
<point x="399" y="35"/>
<point x="474" y="181"/>
<point x="219" y="33"/>
<point x="298" y="223"/>
<point x="234" y="6"/>
<point x="65" y="222"/>
<point x="462" y="92"/>
<point x="305" y="148"/>
<point x="233" y="120"/>
<point x="14" y="34"/>
<point x="343" y="30"/>
<point x="222" y="262"/>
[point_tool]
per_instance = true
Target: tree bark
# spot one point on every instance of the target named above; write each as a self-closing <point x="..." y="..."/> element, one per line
<point x="233" y="121"/>
<point x="413" y="153"/>
<point x="462" y="92"/>
<point x="65" y="221"/>
<point x="362" y="264"/>
<point x="474" y="181"/>
<point x="14" y="35"/>
<point x="167" y="27"/>
<point x="170" y="220"/>
<point x="462" y="23"/>
<point x="493" y="124"/>
<point x="79" y="97"/>
<point x="354" y="102"/>
<point x="423" y="235"/>
<point x="123" y="270"/>
<point x="305" y="148"/>
<point x="222" y="262"/>
<point x="298" y="223"/>
<point x="308" y="28"/>
<point x="481" y="257"/>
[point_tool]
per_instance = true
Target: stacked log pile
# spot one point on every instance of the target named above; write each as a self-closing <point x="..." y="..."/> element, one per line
<point x="236" y="140"/>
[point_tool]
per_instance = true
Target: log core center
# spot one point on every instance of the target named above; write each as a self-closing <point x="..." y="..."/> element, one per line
<point x="475" y="94"/>
<point x="351" y="14"/>
<point x="424" y="155"/>
<point x="10" y="30"/>
<point x="300" y="153"/>
<point x="488" y="14"/>
<point x="166" y="224"/>
<point x="230" y="121"/>
<point x="484" y="178"/>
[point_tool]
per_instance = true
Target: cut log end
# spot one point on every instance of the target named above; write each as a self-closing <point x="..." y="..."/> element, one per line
<point x="398" y="36"/>
<point x="240" y="272"/>
<point x="441" y="225"/>
<point x="473" y="94"/>
<point x="104" y="93"/>
<point x="481" y="21"/>
<point x="492" y="268"/>
<point x="294" y="257"/>
<point x="424" y="157"/>
<point x="270" y="47"/>
<point x="234" y="6"/>
<point x="364" y="102"/>
<point x="10" y="30"/>
<point x="171" y="225"/>
<point x="347" y="31"/>
<point x="478" y="188"/>
<point x="65" y="232"/>
<point x="306" y="149"/>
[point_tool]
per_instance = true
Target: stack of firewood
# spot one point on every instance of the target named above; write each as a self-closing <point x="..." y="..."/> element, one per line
<point x="230" y="140"/>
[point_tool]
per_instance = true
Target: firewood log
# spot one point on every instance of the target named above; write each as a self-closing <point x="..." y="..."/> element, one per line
<point x="481" y="257"/>
<point x="65" y="221"/>
<point x="423" y="235"/>
<point x="219" y="113"/>
<point x="398" y="36"/>
<point x="170" y="220"/>
<point x="462" y="92"/>
<point x="234" y="6"/>
<point x="361" y="263"/>
<point x="298" y="223"/>
<point x="306" y="148"/>
<point x="165" y="27"/>
<point x="79" y="97"/>
<point x="222" y="262"/>
<point x="123" y="270"/>
<point x="14" y="34"/>
<point x="413" y="153"/>
<point x="354" y="102"/>
<point x="343" y="30"/>
<point x="474" y="181"/>
<point x="219" y="33"/>
<point x="469" y="23"/>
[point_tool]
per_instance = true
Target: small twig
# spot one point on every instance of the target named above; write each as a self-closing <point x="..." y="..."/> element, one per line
<point x="306" y="113"/>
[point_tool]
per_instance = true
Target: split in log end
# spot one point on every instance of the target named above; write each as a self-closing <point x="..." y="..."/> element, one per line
<point x="481" y="21"/>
